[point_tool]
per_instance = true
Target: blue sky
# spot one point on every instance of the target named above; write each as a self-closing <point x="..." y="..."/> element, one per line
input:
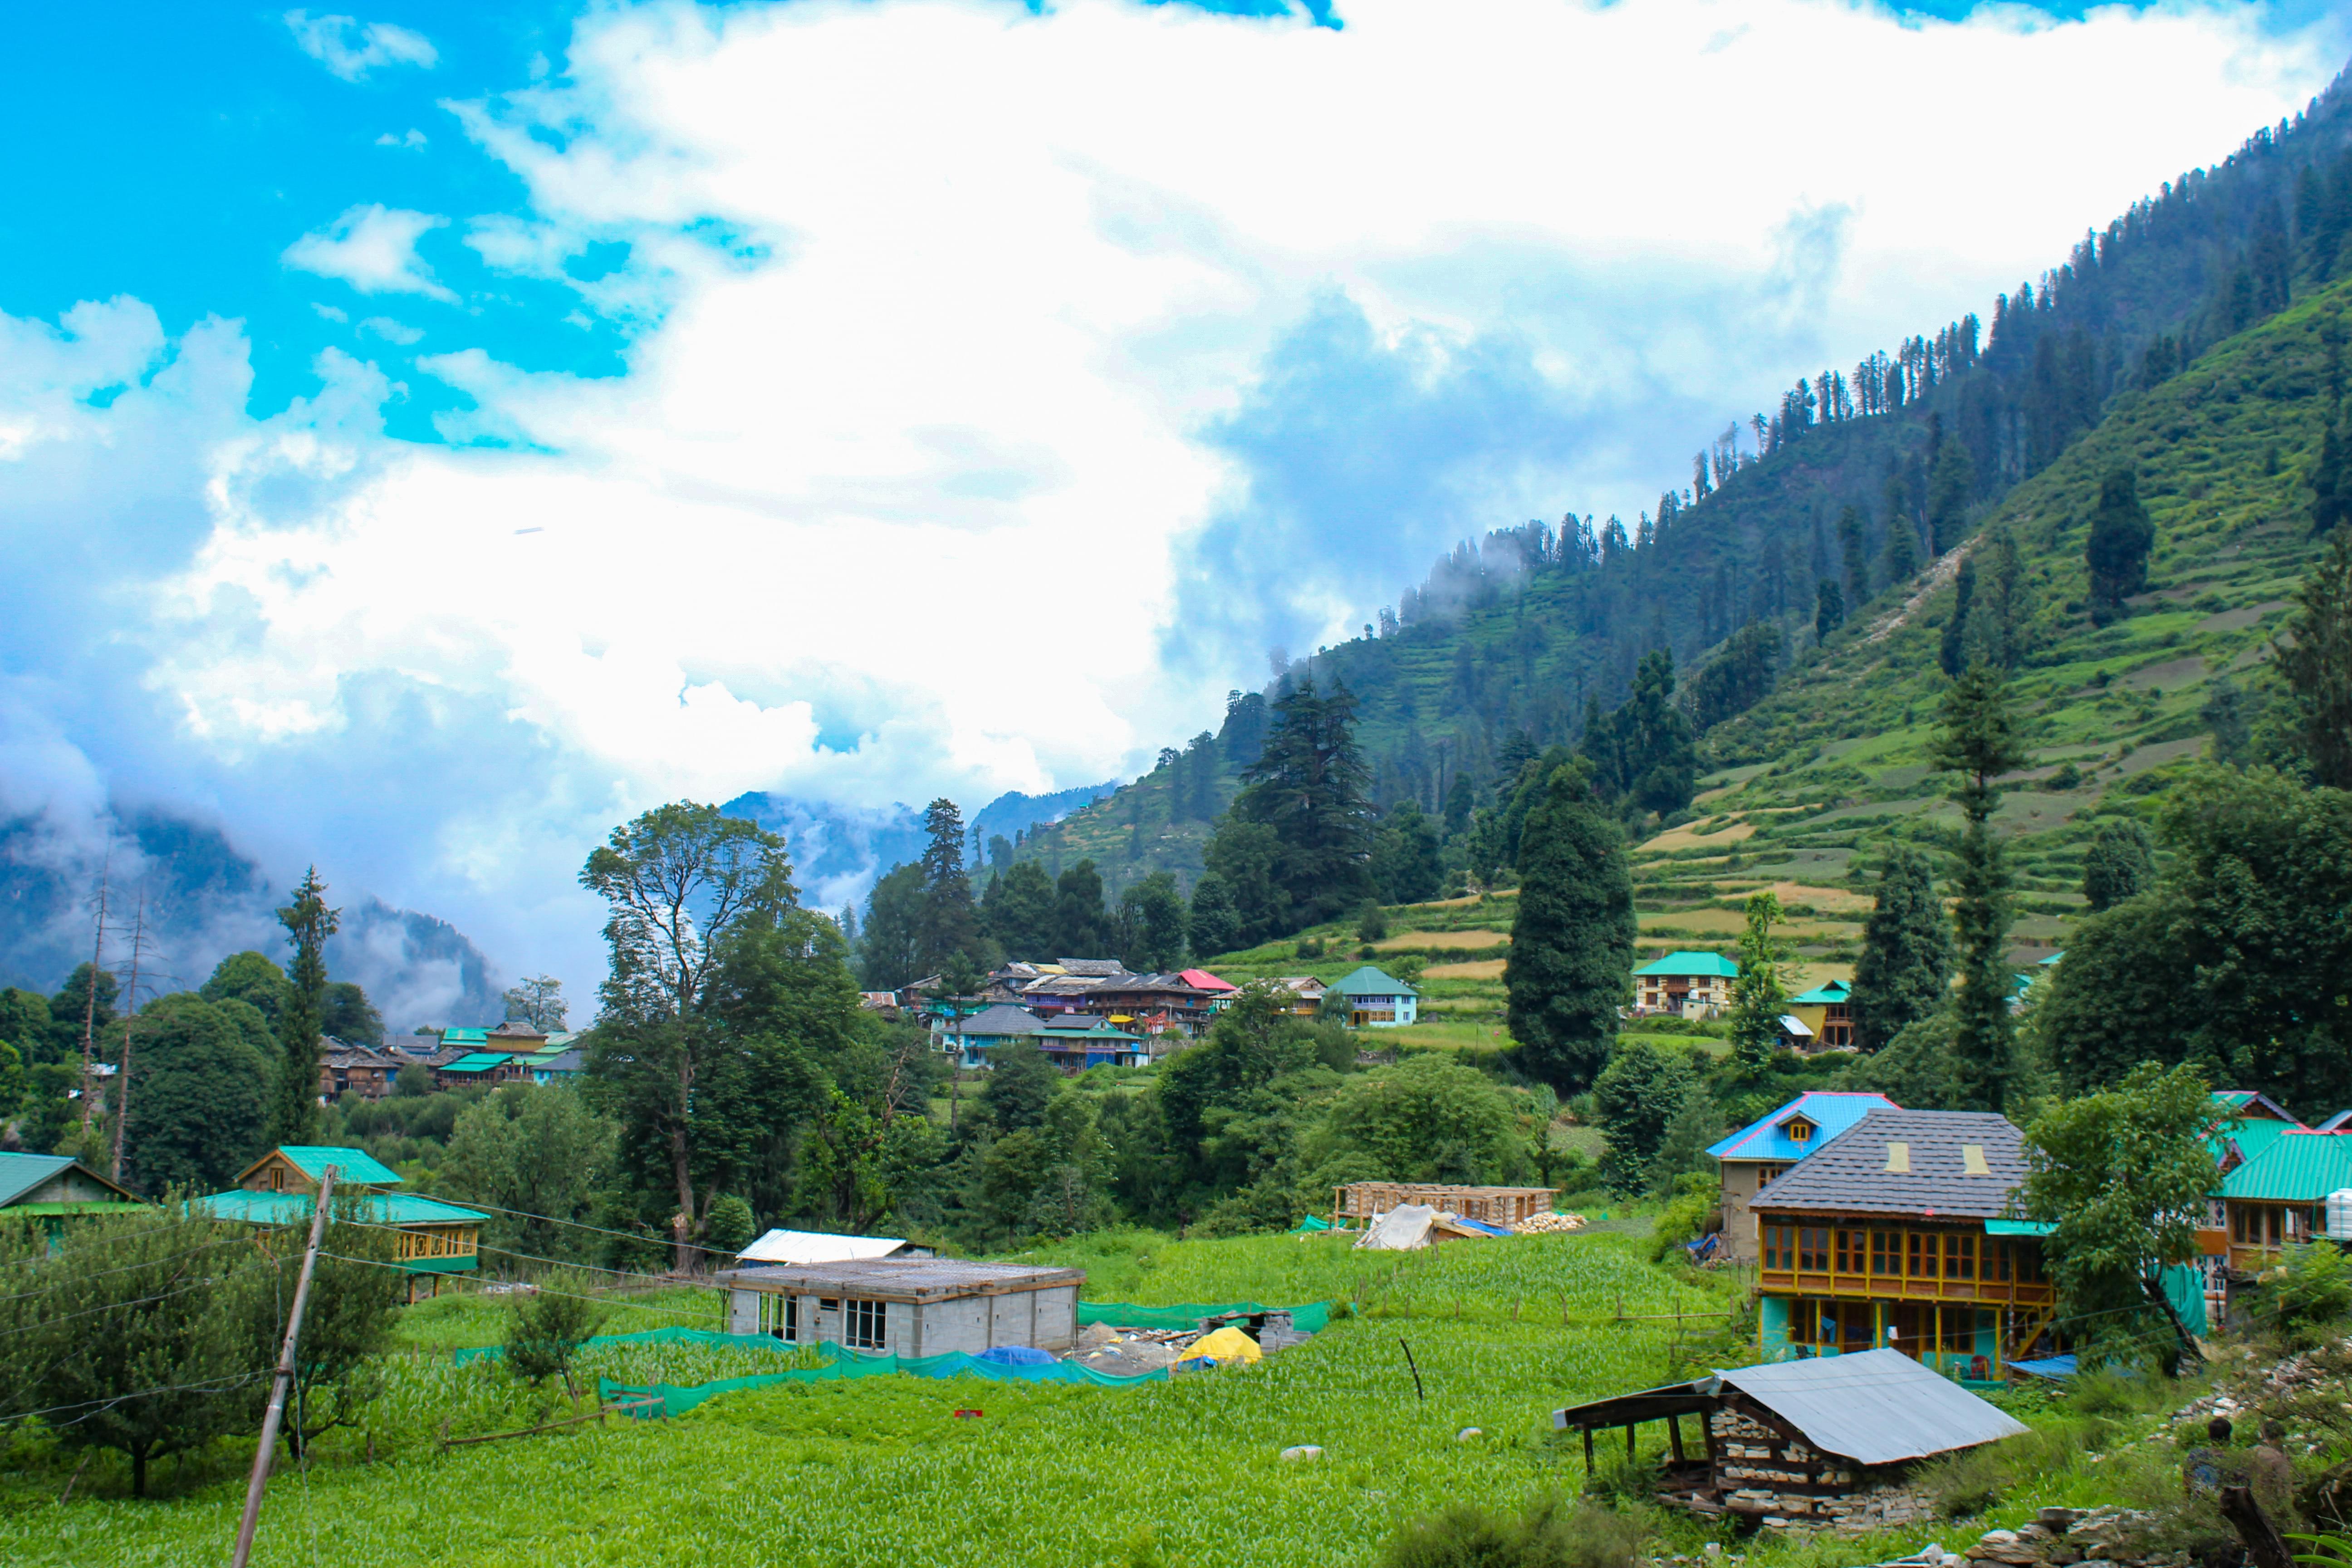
<point x="429" y="434"/>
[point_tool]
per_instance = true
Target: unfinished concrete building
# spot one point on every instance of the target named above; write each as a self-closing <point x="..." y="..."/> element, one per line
<point x="907" y="1307"/>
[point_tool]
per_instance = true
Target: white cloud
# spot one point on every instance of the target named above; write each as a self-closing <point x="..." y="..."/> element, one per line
<point x="898" y="505"/>
<point x="390" y="331"/>
<point x="414" y="139"/>
<point x="374" y="249"/>
<point x="351" y="49"/>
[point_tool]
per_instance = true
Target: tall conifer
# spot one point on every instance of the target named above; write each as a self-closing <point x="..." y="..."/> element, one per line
<point x="309" y="922"/>
<point x="1904" y="971"/>
<point x="1572" y="957"/>
<point x="1979" y="742"/>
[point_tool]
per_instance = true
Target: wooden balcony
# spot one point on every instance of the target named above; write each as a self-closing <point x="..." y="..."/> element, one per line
<point x="1831" y="1285"/>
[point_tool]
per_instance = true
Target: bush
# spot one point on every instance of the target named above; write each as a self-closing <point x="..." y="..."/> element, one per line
<point x="2309" y="1290"/>
<point x="1549" y="1535"/>
<point x="546" y="1328"/>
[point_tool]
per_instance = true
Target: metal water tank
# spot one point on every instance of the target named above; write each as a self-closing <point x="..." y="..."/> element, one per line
<point x="2339" y="1215"/>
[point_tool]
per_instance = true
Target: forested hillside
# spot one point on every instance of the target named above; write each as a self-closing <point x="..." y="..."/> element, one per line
<point x="1825" y="508"/>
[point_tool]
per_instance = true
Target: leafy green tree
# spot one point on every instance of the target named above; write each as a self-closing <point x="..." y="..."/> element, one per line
<point x="2117" y="549"/>
<point x="1759" y="996"/>
<point x="1913" y="1068"/>
<point x="2228" y="713"/>
<point x="2307" y="1297"/>
<point x="1572" y="959"/>
<point x="1978" y="739"/>
<point x="1021" y="1084"/>
<point x="86" y="1000"/>
<point x="1634" y="1100"/>
<point x="538" y="1001"/>
<point x="2122" y="1175"/>
<point x="345" y="1013"/>
<point x="1905" y="971"/>
<point x="1019" y="911"/>
<point x="546" y="1328"/>
<point x="122" y="1336"/>
<point x="251" y="978"/>
<point x="1425" y="1120"/>
<point x="355" y="1295"/>
<point x="1743" y="672"/>
<point x="2120" y="863"/>
<point x="1212" y="925"/>
<point x="1308" y="786"/>
<point x="680" y="880"/>
<point x="1828" y="608"/>
<point x="1152" y="913"/>
<point x="1231" y="1106"/>
<point x="199" y="1096"/>
<point x="1683" y="1147"/>
<point x="1244" y="858"/>
<point x="540" y="1161"/>
<point x="2234" y="963"/>
<point x="13" y="1084"/>
<point x="1951" y="485"/>
<point x="309" y="922"/>
<point x="729" y="1227"/>
<point x="1405" y="864"/>
<point x="890" y="948"/>
<point x="2314" y="653"/>
<point x="1081" y="924"/>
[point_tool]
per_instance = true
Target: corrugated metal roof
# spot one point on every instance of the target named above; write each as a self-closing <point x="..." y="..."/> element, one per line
<point x="1370" y="981"/>
<point x="1832" y="1112"/>
<point x="2297" y="1168"/>
<point x="1829" y="992"/>
<point x="1711" y="963"/>
<point x="376" y="1208"/>
<point x="355" y="1164"/>
<point x="1907" y="1162"/>
<point x="20" y="1173"/>
<point x="1875" y="1407"/>
<point x="805" y="1246"/>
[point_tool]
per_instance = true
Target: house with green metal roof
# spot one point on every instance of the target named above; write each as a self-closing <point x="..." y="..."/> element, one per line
<point x="2283" y="1195"/>
<point x="281" y="1190"/>
<point x="1374" y="999"/>
<point x="54" y="1188"/>
<point x="1686" y="984"/>
<point x="1828" y="1011"/>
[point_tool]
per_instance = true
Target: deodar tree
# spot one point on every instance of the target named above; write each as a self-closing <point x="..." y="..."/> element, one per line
<point x="1978" y="741"/>
<point x="1572" y="957"/>
<point x="309" y="922"/>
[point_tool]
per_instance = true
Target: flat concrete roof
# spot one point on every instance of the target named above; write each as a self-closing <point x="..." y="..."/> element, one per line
<point x="899" y="1279"/>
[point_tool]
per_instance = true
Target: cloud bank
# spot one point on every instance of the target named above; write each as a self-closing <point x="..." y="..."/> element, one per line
<point x="997" y="385"/>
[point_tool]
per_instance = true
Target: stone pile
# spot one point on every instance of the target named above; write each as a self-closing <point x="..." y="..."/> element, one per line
<point x="2106" y="1537"/>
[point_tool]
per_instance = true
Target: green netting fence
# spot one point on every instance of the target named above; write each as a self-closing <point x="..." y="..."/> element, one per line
<point x="1309" y="1319"/>
<point x="649" y="1337"/>
<point x="841" y="1363"/>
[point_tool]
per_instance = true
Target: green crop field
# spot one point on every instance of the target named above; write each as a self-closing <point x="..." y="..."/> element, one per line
<point x="881" y="1470"/>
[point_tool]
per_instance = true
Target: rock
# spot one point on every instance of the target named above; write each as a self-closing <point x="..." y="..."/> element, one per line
<point x="2057" y="1519"/>
<point x="1997" y="1538"/>
<point x="1304" y="1452"/>
<point x="1469" y="1431"/>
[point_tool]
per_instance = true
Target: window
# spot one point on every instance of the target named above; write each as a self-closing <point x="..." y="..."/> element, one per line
<point x="1886" y="1252"/>
<point x="1849" y="1251"/>
<point x="1959" y="1255"/>
<point x="779" y="1316"/>
<point x="1813" y="1249"/>
<point x="1920" y="1261"/>
<point x="1800" y="1130"/>
<point x="1775" y="1247"/>
<point x="1997" y="1261"/>
<point x="867" y="1325"/>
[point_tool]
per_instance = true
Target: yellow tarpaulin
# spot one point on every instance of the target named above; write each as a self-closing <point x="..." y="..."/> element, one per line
<point x="1226" y="1345"/>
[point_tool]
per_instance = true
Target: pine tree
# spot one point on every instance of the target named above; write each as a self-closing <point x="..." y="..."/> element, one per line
<point x="1949" y="652"/>
<point x="2120" y="864"/>
<point x="2315" y="655"/>
<point x="1309" y="784"/>
<point x="1979" y="742"/>
<point x="1854" y="552"/>
<point x="1758" y="997"/>
<point x="1572" y="959"/>
<point x="309" y="922"/>
<point x="1906" y="966"/>
<point x="1900" y="557"/>
<point x="950" y="924"/>
<point x="1950" y="486"/>
<point x="2117" y="550"/>
<point x="1828" y="608"/>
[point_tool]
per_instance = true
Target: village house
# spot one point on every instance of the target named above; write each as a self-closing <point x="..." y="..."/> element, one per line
<point x="1077" y="1041"/>
<point x="907" y="1307"/>
<point x="363" y="1070"/>
<point x="1892" y="1234"/>
<point x="1685" y="985"/>
<point x="280" y="1189"/>
<point x="1754" y="1157"/>
<point x="1302" y="993"/>
<point x="1370" y="999"/>
<point x="1827" y="1010"/>
<point x="56" y="1188"/>
<point x="2298" y="1188"/>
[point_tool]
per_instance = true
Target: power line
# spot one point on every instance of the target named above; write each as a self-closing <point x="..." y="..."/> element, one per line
<point x="210" y="1385"/>
<point x="571" y="1295"/>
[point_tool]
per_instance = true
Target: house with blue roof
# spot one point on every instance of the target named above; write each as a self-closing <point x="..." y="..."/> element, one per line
<point x="1686" y="984"/>
<point x="1756" y="1154"/>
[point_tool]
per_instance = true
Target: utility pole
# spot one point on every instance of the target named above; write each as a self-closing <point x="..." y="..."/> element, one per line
<point x="130" y="1006"/>
<point x="276" y="1416"/>
<point x="90" y="1005"/>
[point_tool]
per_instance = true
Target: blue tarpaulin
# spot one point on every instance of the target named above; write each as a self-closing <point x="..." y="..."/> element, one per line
<point x="2048" y="1366"/>
<point x="1016" y="1355"/>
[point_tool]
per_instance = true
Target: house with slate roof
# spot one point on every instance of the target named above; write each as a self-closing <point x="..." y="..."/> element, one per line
<point x="1686" y="984"/>
<point x="280" y="1191"/>
<point x="970" y="1040"/>
<point x="1375" y="1000"/>
<point x="1892" y="1235"/>
<point x="55" y="1188"/>
<point x="1754" y="1157"/>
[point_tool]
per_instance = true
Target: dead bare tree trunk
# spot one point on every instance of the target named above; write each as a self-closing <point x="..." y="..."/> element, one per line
<point x="2264" y="1546"/>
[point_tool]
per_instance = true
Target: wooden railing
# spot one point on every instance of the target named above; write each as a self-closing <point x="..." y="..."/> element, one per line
<point x="1899" y="1288"/>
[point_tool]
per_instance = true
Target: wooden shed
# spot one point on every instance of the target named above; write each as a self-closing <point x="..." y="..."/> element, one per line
<point x="1490" y="1205"/>
<point x="1796" y="1438"/>
<point x="908" y="1306"/>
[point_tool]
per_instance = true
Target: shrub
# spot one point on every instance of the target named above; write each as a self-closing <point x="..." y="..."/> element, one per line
<point x="1549" y="1535"/>
<point x="2310" y="1290"/>
<point x="546" y="1328"/>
